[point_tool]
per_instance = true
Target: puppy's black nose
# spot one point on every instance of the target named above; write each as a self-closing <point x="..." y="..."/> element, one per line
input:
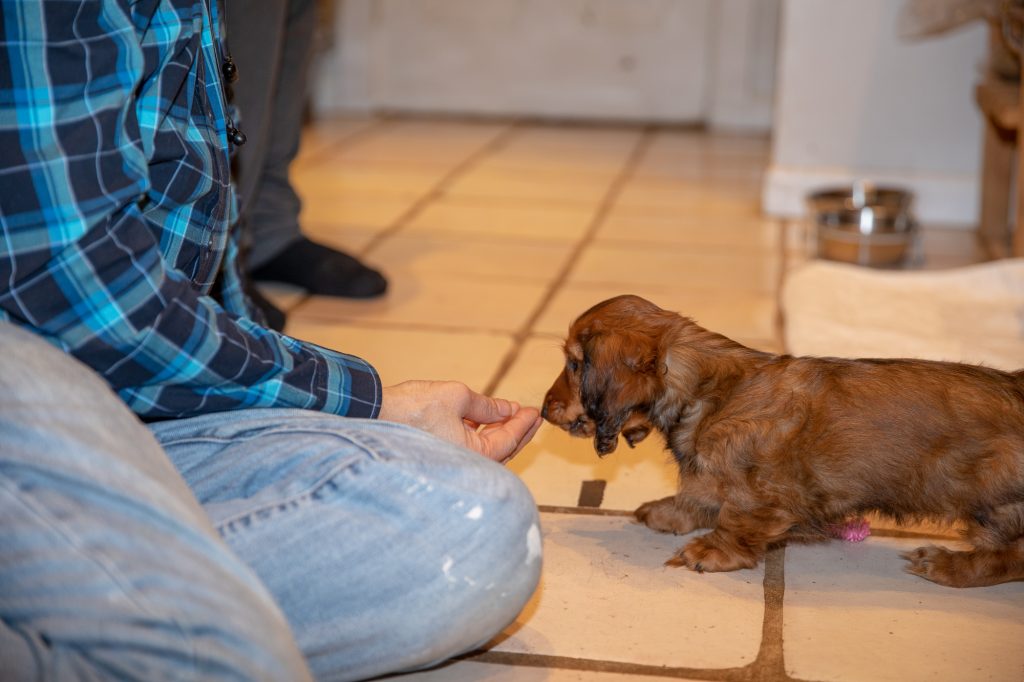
<point x="544" y="410"/>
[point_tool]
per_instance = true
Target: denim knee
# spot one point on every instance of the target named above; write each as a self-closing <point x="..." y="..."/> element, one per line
<point x="511" y="560"/>
<point x="387" y="548"/>
<point x="480" y="591"/>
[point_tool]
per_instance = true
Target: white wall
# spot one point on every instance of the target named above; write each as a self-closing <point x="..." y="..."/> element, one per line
<point x="855" y="101"/>
<point x="681" y="61"/>
<point x="741" y="82"/>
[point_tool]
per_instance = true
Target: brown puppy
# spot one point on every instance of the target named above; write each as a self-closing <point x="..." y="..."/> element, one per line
<point x="773" y="447"/>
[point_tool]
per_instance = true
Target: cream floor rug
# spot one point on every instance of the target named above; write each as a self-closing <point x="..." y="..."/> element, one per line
<point x="971" y="314"/>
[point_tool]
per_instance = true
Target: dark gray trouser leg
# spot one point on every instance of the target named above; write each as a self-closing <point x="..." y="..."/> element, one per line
<point x="271" y="41"/>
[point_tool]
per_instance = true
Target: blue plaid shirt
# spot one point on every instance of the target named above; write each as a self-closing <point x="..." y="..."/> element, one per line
<point x="115" y="204"/>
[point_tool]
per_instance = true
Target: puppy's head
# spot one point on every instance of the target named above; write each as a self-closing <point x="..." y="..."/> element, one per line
<point x="612" y="374"/>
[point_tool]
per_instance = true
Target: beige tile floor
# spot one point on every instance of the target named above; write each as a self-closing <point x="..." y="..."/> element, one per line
<point x="494" y="236"/>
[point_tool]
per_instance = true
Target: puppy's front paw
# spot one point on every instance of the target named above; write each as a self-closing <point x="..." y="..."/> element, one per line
<point x="665" y="516"/>
<point x="636" y="434"/>
<point x="707" y="553"/>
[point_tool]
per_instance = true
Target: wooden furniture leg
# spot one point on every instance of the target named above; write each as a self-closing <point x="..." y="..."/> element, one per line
<point x="998" y="161"/>
<point x="1017" y="247"/>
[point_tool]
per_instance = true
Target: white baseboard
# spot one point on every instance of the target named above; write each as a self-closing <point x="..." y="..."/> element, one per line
<point x="938" y="199"/>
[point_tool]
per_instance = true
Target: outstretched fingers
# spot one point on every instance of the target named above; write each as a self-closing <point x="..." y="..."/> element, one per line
<point x="501" y="441"/>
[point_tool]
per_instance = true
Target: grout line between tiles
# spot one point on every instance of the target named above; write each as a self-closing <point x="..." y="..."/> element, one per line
<point x="600" y="666"/>
<point x="373" y="128"/>
<point x="875" y="532"/>
<point x="600" y="215"/>
<point x="582" y="511"/>
<point x="545" y="121"/>
<point x="487" y="148"/>
<point x="779" y="321"/>
<point x="467" y="164"/>
<point x="768" y="666"/>
<point x="388" y="325"/>
<point x="641" y="244"/>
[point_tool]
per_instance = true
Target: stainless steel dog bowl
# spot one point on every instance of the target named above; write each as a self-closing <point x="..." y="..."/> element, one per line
<point x="863" y="224"/>
<point x="860" y="195"/>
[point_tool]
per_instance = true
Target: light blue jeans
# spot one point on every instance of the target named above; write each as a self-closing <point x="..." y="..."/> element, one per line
<point x="253" y="545"/>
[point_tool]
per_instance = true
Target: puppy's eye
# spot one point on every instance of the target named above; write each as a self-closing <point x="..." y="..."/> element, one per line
<point x="572" y="364"/>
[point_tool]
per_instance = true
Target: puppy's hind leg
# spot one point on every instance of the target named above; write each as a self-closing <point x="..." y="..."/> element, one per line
<point x="997" y="557"/>
<point x="975" y="568"/>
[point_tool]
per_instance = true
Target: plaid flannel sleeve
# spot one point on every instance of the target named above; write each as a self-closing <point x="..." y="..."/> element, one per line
<point x="114" y="205"/>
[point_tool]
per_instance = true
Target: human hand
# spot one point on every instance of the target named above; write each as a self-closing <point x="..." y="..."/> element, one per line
<point x="496" y="428"/>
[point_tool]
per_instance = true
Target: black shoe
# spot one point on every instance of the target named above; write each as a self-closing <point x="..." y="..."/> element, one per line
<point x="322" y="270"/>
<point x="273" y="316"/>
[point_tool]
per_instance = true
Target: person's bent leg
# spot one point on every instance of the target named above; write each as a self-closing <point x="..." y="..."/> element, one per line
<point x="109" y="568"/>
<point x="387" y="549"/>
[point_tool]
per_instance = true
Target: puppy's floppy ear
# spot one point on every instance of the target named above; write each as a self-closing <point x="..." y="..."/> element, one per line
<point x="616" y="381"/>
<point x="640" y="353"/>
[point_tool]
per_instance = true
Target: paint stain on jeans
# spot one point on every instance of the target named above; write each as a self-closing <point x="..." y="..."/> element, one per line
<point x="533" y="544"/>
